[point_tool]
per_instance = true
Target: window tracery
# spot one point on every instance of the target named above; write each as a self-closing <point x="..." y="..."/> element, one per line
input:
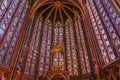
<point x="72" y="64"/>
<point x="44" y="63"/>
<point x="105" y="30"/>
<point x="58" y="57"/>
<point x="84" y="60"/>
<point x="32" y="57"/>
<point x="6" y="19"/>
<point x="9" y="43"/>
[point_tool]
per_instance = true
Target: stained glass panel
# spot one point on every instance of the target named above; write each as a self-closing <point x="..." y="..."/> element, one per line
<point x="44" y="63"/>
<point x="71" y="50"/>
<point x="5" y="22"/>
<point x="7" y="49"/>
<point x="34" y="49"/>
<point x="4" y="5"/>
<point x="108" y="24"/>
<point x="104" y="29"/>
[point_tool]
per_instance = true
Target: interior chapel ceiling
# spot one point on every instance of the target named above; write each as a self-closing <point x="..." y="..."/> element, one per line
<point x="56" y="10"/>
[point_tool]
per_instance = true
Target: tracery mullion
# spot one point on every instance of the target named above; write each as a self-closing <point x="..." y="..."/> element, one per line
<point x="52" y="45"/>
<point x="33" y="41"/>
<point x="43" y="50"/>
<point x="4" y="8"/>
<point x="60" y="55"/>
<point x="96" y="22"/>
<point x="72" y="46"/>
<point x="64" y="41"/>
<point x="56" y="35"/>
<point x="61" y="34"/>
<point x="6" y="21"/>
<point x="47" y="27"/>
<point x="114" y="36"/>
<point x="60" y="39"/>
<point x="30" y="50"/>
<point x="20" y="42"/>
<point x="94" y="34"/>
<point x="97" y="33"/>
<point x="112" y="14"/>
<point x="53" y="41"/>
<point x="13" y="26"/>
<point x="101" y="55"/>
<point x="17" y="31"/>
<point x="36" y="48"/>
<point x="48" y="48"/>
<point x="39" y="46"/>
<point x="92" y="40"/>
<point x="80" y="47"/>
<point x="39" y="42"/>
<point x="78" y="61"/>
<point x="24" y="49"/>
<point x="77" y="48"/>
<point x="39" y="56"/>
<point x="84" y="46"/>
<point x="73" y="50"/>
<point x="57" y="42"/>
<point x="112" y="53"/>
<point x="68" y="48"/>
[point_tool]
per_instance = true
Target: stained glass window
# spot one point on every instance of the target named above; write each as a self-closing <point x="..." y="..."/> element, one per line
<point x="110" y="12"/>
<point x="58" y="58"/>
<point x="44" y="63"/>
<point x="7" y="17"/>
<point x="84" y="60"/>
<point x="56" y="35"/>
<point x="107" y="14"/>
<point x="34" y="49"/>
<point x="4" y="5"/>
<point x="13" y="30"/>
<point x="71" y="49"/>
<point x="105" y="29"/>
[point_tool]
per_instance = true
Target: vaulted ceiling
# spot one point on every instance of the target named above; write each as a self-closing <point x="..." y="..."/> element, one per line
<point x="56" y="10"/>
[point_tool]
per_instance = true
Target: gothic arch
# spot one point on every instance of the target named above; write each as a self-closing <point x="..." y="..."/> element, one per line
<point x="60" y="74"/>
<point x="37" y="5"/>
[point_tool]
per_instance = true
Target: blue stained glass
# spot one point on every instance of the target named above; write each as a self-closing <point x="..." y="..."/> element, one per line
<point x="13" y="31"/>
<point x="1" y="31"/>
<point x="71" y="49"/>
<point x="3" y="7"/>
<point x="107" y="53"/>
<point x="6" y="19"/>
<point x="45" y="50"/>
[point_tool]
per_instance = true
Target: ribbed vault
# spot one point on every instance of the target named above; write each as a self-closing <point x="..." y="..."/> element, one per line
<point x="56" y="10"/>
